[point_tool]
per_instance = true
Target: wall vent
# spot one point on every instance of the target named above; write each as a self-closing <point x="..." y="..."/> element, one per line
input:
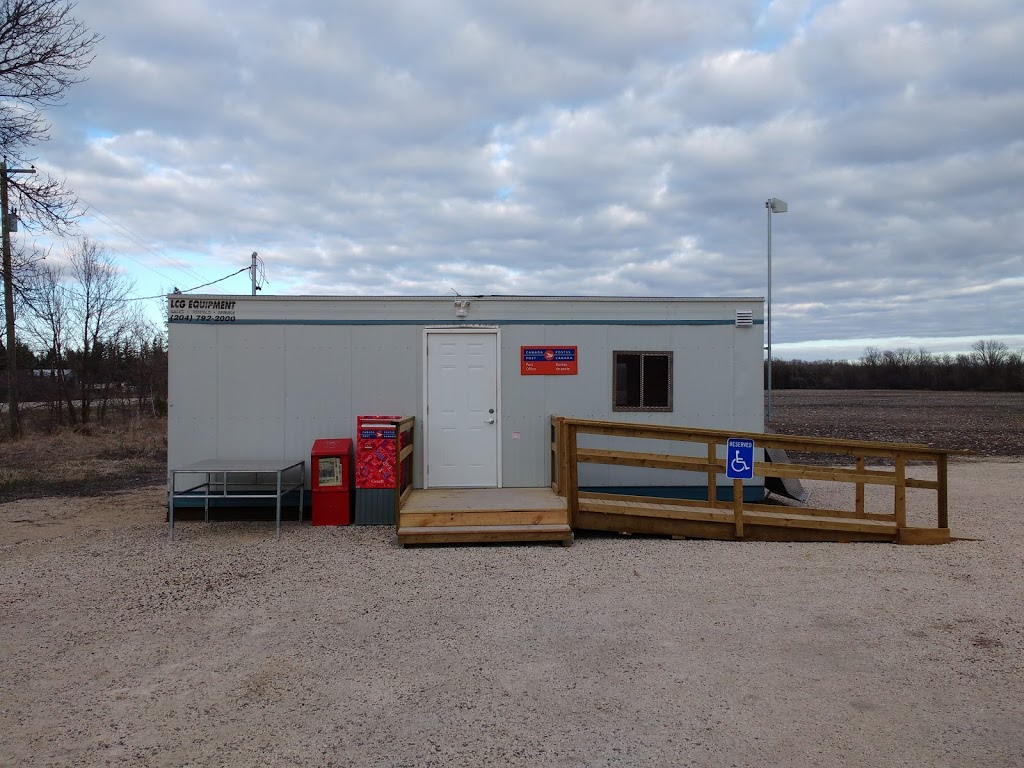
<point x="744" y="318"/>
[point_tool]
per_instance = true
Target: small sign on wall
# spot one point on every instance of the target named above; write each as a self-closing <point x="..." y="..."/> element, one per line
<point x="548" y="361"/>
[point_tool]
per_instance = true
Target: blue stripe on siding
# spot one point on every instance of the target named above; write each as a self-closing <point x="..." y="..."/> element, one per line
<point x="751" y="493"/>
<point x="477" y="324"/>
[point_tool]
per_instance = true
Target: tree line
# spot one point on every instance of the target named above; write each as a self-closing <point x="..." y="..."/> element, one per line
<point x="990" y="366"/>
<point x="78" y="388"/>
<point x="85" y="348"/>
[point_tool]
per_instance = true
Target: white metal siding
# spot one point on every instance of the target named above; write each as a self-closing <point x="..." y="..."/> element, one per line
<point x="250" y="392"/>
<point x="318" y="392"/>
<point x="192" y="394"/>
<point x="268" y="389"/>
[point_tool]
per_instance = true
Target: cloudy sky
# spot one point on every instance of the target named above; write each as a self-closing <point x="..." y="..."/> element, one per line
<point x="619" y="147"/>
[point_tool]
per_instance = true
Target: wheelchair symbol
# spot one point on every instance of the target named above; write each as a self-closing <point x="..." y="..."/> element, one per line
<point x="739" y="466"/>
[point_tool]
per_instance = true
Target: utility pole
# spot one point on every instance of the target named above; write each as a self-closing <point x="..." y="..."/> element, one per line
<point x="13" y="418"/>
<point x="252" y="272"/>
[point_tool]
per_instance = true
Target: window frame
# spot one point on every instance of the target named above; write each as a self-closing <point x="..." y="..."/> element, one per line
<point x="670" y="383"/>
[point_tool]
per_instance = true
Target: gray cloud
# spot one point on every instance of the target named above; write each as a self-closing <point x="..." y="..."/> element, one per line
<point x="577" y="147"/>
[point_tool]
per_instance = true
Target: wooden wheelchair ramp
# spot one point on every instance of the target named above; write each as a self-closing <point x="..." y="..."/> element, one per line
<point x="463" y="515"/>
<point x="699" y="454"/>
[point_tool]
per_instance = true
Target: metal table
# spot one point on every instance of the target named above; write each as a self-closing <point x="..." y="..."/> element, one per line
<point x="218" y="474"/>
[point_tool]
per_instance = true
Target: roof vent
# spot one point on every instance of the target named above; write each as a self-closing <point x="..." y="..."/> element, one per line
<point x="744" y="318"/>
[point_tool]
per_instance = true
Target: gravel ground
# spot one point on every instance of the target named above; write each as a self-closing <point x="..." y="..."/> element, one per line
<point x="334" y="647"/>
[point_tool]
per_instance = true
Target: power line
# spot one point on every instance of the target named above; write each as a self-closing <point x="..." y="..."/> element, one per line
<point x="187" y="290"/>
<point x="138" y="240"/>
<point x="124" y="231"/>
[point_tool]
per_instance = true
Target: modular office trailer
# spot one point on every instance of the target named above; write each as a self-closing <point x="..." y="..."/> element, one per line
<point x="263" y="377"/>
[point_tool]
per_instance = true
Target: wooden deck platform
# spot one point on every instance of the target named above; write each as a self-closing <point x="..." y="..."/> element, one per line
<point x="463" y="515"/>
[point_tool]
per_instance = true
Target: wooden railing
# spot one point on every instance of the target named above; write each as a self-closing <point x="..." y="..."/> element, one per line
<point x="404" y="450"/>
<point x="566" y="455"/>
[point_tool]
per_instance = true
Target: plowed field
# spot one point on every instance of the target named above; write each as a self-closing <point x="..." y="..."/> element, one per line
<point x="987" y="423"/>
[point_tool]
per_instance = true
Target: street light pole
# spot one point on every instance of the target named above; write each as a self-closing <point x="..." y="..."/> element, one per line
<point x="773" y="205"/>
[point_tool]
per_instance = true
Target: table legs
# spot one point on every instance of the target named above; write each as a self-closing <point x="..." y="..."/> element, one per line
<point x="279" y="504"/>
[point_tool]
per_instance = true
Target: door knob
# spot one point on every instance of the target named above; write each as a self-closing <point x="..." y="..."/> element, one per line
<point x="490" y="421"/>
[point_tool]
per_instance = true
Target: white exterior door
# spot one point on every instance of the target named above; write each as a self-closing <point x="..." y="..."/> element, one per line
<point x="462" y="409"/>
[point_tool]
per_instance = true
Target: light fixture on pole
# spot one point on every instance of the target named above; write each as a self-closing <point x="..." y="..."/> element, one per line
<point x="773" y="205"/>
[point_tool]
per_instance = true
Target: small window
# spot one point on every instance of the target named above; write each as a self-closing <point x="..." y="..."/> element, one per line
<point x="642" y="381"/>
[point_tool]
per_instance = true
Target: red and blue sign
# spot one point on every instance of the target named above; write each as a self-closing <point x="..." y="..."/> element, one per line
<point x="548" y="361"/>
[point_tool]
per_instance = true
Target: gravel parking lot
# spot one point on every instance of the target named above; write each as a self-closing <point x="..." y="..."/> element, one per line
<point x="334" y="647"/>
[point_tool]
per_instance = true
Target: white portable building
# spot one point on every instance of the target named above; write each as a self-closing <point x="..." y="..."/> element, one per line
<point x="263" y="377"/>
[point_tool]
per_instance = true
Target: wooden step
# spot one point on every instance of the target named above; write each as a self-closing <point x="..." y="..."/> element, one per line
<point x="472" y="517"/>
<point x="432" y="534"/>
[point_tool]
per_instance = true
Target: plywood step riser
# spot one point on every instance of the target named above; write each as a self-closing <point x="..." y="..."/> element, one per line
<point x="479" y="538"/>
<point x="484" y="533"/>
<point x="505" y="517"/>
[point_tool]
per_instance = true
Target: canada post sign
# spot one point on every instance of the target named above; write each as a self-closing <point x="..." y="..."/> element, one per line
<point x="548" y="361"/>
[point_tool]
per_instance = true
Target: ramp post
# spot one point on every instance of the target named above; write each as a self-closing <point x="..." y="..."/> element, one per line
<point x="737" y="506"/>
<point x="712" y="473"/>
<point x="901" y="491"/>
<point x="941" y="465"/>
<point x="860" y="487"/>
<point x="572" y="475"/>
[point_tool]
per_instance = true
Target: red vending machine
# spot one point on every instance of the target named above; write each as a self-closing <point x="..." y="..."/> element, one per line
<point x="331" y="475"/>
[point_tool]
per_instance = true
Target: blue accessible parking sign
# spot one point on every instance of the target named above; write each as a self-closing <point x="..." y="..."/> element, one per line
<point x="739" y="461"/>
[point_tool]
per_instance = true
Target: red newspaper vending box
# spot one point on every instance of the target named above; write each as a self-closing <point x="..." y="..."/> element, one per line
<point x="331" y="463"/>
<point x="376" y="462"/>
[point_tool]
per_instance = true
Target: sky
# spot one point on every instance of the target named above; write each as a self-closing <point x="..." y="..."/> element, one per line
<point x="578" y="147"/>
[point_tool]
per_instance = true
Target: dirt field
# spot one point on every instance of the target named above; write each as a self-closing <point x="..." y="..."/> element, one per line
<point x="127" y="453"/>
<point x="334" y="647"/>
<point x="987" y="423"/>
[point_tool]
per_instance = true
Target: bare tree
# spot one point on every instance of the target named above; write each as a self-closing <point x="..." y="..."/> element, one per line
<point x="990" y="353"/>
<point x="101" y="312"/>
<point x="16" y="265"/>
<point x="84" y="314"/>
<point x="49" y="328"/>
<point x="26" y="261"/>
<point x="992" y="357"/>
<point x="43" y="51"/>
